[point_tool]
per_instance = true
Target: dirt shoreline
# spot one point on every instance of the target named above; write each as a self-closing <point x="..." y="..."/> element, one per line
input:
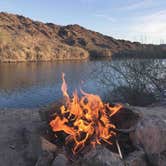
<point x="14" y="121"/>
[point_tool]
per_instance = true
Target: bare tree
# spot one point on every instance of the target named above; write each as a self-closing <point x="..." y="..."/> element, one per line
<point x="137" y="82"/>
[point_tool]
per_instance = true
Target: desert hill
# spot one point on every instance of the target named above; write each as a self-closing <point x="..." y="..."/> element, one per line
<point x="22" y="39"/>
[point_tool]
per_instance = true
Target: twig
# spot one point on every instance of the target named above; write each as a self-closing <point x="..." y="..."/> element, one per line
<point x="119" y="150"/>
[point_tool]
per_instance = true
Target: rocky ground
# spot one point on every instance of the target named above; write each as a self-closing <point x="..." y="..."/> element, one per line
<point x="17" y="148"/>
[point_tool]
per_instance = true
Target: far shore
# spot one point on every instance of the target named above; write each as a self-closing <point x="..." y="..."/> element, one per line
<point x="81" y="60"/>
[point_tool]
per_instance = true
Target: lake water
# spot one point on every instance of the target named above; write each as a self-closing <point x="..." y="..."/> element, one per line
<point x="31" y="85"/>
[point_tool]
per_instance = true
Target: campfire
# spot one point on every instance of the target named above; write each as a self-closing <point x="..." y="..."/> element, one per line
<point x="85" y="120"/>
<point x="84" y="130"/>
<point x="82" y="127"/>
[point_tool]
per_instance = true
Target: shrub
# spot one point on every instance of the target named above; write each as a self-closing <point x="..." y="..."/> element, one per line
<point x="135" y="81"/>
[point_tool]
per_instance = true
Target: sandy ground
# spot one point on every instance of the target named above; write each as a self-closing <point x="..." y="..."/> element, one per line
<point x="13" y="123"/>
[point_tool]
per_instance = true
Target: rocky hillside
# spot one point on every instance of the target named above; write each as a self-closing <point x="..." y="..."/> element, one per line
<point x="22" y="39"/>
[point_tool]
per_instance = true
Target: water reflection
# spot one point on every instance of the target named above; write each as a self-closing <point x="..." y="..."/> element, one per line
<point x="24" y="75"/>
<point x="29" y="85"/>
<point x="35" y="84"/>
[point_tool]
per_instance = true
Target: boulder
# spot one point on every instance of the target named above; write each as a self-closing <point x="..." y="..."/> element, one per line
<point x="100" y="156"/>
<point x="30" y="141"/>
<point x="37" y="148"/>
<point x="126" y="118"/>
<point x="60" y="160"/>
<point x="150" y="135"/>
<point x="136" y="158"/>
<point x="48" y="146"/>
<point x="45" y="159"/>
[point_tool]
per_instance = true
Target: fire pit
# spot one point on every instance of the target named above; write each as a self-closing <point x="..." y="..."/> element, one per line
<point x="83" y="130"/>
<point x="82" y="126"/>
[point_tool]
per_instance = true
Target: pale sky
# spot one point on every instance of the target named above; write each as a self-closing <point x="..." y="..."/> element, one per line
<point x="135" y="20"/>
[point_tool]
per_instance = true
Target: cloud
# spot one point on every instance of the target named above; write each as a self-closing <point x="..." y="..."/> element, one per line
<point x="136" y="5"/>
<point x="152" y="25"/>
<point x="106" y="17"/>
<point x="157" y="16"/>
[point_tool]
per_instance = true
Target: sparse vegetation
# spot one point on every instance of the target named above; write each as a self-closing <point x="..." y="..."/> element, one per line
<point x="4" y="38"/>
<point x="133" y="81"/>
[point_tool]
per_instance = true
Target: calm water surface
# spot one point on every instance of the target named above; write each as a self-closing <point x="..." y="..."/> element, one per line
<point x="31" y="85"/>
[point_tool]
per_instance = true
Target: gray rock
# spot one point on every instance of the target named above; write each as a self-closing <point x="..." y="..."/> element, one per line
<point x="48" y="146"/>
<point x="157" y="159"/>
<point x="37" y="147"/>
<point x="31" y="143"/>
<point x="137" y="158"/>
<point x="150" y="135"/>
<point x="45" y="159"/>
<point x="60" y="160"/>
<point x="101" y="156"/>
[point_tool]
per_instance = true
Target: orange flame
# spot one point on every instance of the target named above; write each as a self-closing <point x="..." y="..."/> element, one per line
<point x="88" y="117"/>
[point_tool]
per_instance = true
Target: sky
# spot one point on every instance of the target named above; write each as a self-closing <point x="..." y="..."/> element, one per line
<point x="135" y="20"/>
